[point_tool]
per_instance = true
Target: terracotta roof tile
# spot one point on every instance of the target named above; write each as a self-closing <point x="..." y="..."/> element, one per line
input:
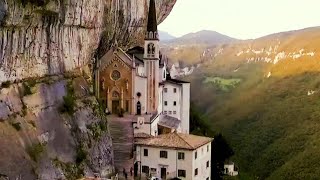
<point x="176" y="140"/>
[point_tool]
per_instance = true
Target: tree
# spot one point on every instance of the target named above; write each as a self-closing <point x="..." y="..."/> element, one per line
<point x="220" y="152"/>
<point x="220" y="149"/>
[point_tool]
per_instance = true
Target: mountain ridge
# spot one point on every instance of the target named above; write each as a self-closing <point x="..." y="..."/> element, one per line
<point x="263" y="95"/>
<point x="206" y="37"/>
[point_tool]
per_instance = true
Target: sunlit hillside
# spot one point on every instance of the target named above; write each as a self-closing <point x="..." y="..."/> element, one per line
<point x="264" y="96"/>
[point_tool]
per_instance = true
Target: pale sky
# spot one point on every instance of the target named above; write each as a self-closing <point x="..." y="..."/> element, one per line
<point x="243" y="19"/>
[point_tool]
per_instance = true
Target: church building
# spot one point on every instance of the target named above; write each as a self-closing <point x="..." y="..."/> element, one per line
<point x="137" y="83"/>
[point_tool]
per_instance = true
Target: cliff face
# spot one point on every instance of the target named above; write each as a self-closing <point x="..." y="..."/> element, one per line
<point x="50" y="37"/>
<point x="51" y="127"/>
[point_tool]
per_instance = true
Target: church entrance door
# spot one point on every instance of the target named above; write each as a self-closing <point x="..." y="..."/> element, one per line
<point x="138" y="108"/>
<point x="115" y="106"/>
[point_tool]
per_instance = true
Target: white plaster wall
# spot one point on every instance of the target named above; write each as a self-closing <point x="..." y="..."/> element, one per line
<point x="157" y="49"/>
<point x="145" y="128"/>
<point x="154" y="126"/>
<point x="172" y="164"/>
<point x="170" y="97"/>
<point x="160" y="95"/>
<point x="162" y="74"/>
<point x="185" y="108"/>
<point x="141" y="86"/>
<point x="140" y="70"/>
<point x="201" y="162"/>
<point x="231" y="171"/>
<point x="189" y="164"/>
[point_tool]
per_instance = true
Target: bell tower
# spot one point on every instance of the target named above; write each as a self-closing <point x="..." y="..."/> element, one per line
<point x="151" y="59"/>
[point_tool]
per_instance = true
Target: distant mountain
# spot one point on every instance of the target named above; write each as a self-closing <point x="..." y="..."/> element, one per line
<point x="165" y="36"/>
<point x="203" y="37"/>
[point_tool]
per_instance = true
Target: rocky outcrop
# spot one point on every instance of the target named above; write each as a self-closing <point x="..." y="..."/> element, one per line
<point x="48" y="142"/>
<point x="40" y="42"/>
<point x="38" y="38"/>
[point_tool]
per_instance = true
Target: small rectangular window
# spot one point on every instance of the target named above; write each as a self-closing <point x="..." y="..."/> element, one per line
<point x="165" y="112"/>
<point x="181" y="173"/>
<point x="165" y="90"/>
<point x="208" y="164"/>
<point x="181" y="155"/>
<point x="207" y="148"/>
<point x="196" y="155"/>
<point x="174" y="112"/>
<point x="166" y="103"/>
<point x="174" y="103"/>
<point x="196" y="172"/>
<point x="145" y="169"/>
<point x="163" y="154"/>
<point x="175" y="90"/>
<point x="145" y="152"/>
<point x="170" y="112"/>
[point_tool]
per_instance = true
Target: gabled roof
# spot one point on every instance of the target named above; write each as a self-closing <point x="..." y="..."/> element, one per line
<point x="169" y="122"/>
<point x="176" y="141"/>
<point x="115" y="52"/>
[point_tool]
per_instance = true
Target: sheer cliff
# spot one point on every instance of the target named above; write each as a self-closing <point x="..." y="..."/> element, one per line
<point x="51" y="126"/>
<point x="40" y="37"/>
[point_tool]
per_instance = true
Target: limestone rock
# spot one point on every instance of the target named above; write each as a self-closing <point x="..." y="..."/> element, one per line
<point x="62" y="35"/>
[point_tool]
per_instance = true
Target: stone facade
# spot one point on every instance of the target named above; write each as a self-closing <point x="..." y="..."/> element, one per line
<point x="117" y="84"/>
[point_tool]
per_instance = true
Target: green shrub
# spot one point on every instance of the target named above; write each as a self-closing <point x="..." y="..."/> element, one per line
<point x="5" y="84"/>
<point x="33" y="124"/>
<point x="68" y="101"/>
<point x="17" y="126"/>
<point x="35" y="151"/>
<point x="81" y="155"/>
<point x="24" y="109"/>
<point x="103" y="125"/>
<point x="26" y="89"/>
<point x="32" y="82"/>
<point x="97" y="129"/>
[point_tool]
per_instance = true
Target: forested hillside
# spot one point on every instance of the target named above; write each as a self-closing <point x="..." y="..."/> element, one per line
<point x="263" y="95"/>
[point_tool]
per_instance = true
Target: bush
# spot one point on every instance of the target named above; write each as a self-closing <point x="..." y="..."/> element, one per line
<point x="35" y="151"/>
<point x="24" y="109"/>
<point x="32" y="82"/>
<point x="5" y="84"/>
<point x="16" y="126"/>
<point x="81" y="155"/>
<point x="68" y="101"/>
<point x="103" y="126"/>
<point x="26" y="89"/>
<point x="68" y="104"/>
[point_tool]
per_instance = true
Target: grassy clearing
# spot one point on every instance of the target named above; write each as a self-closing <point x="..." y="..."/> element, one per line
<point x="224" y="84"/>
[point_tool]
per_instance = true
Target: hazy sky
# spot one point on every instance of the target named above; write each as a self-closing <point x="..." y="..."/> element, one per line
<point x="241" y="19"/>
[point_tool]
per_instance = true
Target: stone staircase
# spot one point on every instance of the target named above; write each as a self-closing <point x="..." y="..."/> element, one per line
<point x="122" y="138"/>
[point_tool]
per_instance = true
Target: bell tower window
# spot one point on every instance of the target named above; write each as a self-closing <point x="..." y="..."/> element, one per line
<point x="151" y="49"/>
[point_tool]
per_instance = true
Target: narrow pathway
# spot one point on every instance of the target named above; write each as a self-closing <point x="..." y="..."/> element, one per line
<point x="122" y="138"/>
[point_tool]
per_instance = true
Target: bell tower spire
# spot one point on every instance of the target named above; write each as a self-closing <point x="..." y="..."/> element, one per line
<point x="151" y="58"/>
<point x="152" y="21"/>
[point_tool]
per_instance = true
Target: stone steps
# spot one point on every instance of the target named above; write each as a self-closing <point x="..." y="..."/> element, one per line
<point x="122" y="138"/>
